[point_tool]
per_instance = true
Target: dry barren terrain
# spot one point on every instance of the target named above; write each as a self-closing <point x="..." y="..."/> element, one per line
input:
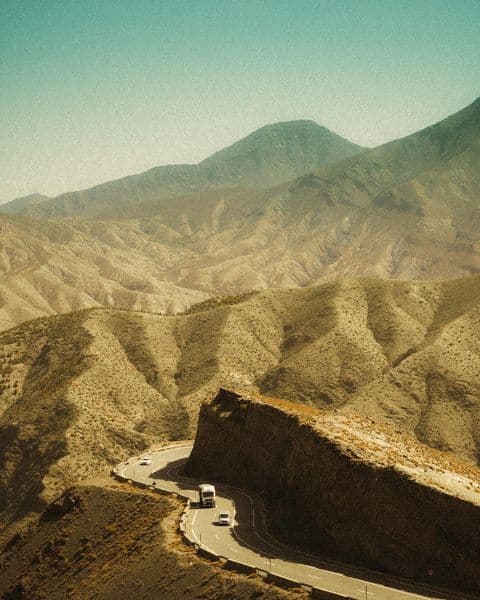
<point x="105" y="541"/>
<point x="48" y="268"/>
<point x="81" y="392"/>
<point x="406" y="210"/>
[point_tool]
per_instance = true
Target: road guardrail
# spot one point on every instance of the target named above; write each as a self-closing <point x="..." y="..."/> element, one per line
<point x="227" y="563"/>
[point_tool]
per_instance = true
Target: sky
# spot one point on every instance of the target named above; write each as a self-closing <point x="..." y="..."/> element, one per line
<point x="93" y="90"/>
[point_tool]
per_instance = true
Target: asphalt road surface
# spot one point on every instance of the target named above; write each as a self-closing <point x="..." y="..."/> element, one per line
<point x="247" y="540"/>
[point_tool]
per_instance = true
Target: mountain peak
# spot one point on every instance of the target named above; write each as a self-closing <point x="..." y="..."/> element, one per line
<point x="279" y="152"/>
<point x="287" y="129"/>
<point x="292" y="125"/>
<point x="267" y="157"/>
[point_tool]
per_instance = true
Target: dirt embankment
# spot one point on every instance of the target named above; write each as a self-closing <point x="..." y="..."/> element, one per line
<point x="346" y="488"/>
<point x="108" y="541"/>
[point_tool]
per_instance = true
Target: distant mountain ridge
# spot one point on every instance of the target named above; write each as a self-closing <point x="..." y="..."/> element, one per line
<point x="407" y="210"/>
<point x="269" y="156"/>
<point x="278" y="153"/>
<point x="19" y="204"/>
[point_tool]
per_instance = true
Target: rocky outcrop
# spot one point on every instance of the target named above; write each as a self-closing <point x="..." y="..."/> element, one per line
<point x="341" y="486"/>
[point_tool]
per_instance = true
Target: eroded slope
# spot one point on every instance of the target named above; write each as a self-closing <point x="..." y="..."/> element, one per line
<point x="81" y="392"/>
<point x="48" y="268"/>
<point x="104" y="541"/>
<point x="405" y="210"/>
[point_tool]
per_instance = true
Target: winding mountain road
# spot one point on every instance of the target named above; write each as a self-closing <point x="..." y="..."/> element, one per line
<point x="248" y="541"/>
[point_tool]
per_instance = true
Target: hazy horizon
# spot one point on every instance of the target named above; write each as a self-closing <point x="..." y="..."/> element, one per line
<point x="93" y="93"/>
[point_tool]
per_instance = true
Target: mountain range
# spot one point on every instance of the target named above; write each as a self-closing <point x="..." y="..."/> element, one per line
<point x="408" y="209"/>
<point x="83" y="391"/>
<point x="154" y="291"/>
<point x="271" y="155"/>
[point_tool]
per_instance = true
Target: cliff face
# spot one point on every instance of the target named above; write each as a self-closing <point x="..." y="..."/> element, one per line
<point x="343" y="487"/>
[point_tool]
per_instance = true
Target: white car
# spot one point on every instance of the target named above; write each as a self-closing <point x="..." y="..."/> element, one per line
<point x="224" y="518"/>
<point x="145" y="460"/>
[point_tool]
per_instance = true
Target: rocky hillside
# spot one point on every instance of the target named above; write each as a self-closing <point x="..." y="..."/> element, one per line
<point x="346" y="488"/>
<point x="81" y="392"/>
<point x="49" y="268"/>
<point x="269" y="156"/>
<point x="103" y="541"/>
<point x="406" y="210"/>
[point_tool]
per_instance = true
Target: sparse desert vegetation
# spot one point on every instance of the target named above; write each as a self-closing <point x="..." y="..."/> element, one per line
<point x="86" y="390"/>
<point x="178" y="218"/>
<point x="105" y="541"/>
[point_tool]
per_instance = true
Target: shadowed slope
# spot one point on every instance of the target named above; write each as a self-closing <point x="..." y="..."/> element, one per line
<point x="108" y="541"/>
<point x="401" y="353"/>
<point x="343" y="487"/>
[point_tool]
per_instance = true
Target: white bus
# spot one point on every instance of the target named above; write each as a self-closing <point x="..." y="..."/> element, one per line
<point x="206" y="494"/>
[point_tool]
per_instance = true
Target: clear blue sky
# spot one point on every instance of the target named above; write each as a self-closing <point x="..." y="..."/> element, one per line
<point x="91" y="90"/>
